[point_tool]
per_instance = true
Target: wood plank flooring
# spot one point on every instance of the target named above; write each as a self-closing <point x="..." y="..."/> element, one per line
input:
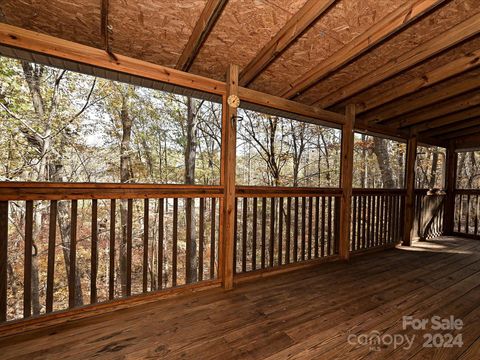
<point x="307" y="314"/>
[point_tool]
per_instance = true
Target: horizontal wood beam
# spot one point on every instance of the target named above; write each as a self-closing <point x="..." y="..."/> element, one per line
<point x="456" y="104"/>
<point x="455" y="127"/>
<point x="301" y="21"/>
<point x="460" y="133"/>
<point x="392" y="110"/>
<point x="453" y="36"/>
<point x="259" y="98"/>
<point x="467" y="142"/>
<point x="386" y="27"/>
<point x="209" y="16"/>
<point x="447" y="119"/>
<point x="464" y="63"/>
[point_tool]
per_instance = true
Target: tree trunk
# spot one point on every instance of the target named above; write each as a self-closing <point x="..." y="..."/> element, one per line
<point x="433" y="170"/>
<point x="190" y="149"/>
<point x="381" y="151"/>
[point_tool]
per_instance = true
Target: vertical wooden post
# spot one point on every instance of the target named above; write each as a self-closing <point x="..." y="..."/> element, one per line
<point x="410" y="187"/>
<point x="229" y="137"/>
<point x="346" y="179"/>
<point x="450" y="185"/>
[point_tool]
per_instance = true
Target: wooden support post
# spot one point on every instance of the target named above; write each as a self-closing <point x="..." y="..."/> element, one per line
<point x="229" y="134"/>
<point x="450" y="185"/>
<point x="346" y="179"/>
<point x="410" y="186"/>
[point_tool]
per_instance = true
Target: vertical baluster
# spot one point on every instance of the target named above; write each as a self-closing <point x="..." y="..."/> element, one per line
<point x="254" y="234"/>
<point x="201" y="238"/>
<point x="272" y="231"/>
<point x="329" y="231"/>
<point x="467" y="219"/>
<point x="27" y="272"/>
<point x="52" y="236"/>
<point x="129" y="245"/>
<point x="280" y="232"/>
<point x="175" y="242"/>
<point x="161" y="235"/>
<point x="310" y="227"/>
<point x="476" y="215"/>
<point x="353" y="246"/>
<point x="382" y="219"/>
<point x="264" y="231"/>
<point x="189" y="211"/>
<point x="244" y="233"/>
<point x="288" y="230"/>
<point x="364" y="222"/>
<point x="460" y="211"/>
<point x="304" y="227"/>
<point x="369" y="221"/>
<point x="3" y="259"/>
<point x="146" y="215"/>
<point x="235" y="237"/>
<point x="374" y="220"/>
<point x="73" y="254"/>
<point x="317" y="221"/>
<point x="212" y="238"/>
<point x="377" y="221"/>
<point x="295" y="231"/>
<point x="111" y="268"/>
<point x="94" y="253"/>
<point x="324" y="205"/>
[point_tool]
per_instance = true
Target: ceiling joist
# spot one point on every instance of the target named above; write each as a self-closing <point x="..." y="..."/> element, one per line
<point x="442" y="42"/>
<point x="388" y="26"/>
<point x="295" y="27"/>
<point x="210" y="14"/>
<point x="448" y="120"/>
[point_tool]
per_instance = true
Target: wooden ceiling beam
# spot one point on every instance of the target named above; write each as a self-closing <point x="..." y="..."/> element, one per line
<point x="464" y="63"/>
<point x="420" y="100"/>
<point x="386" y="27"/>
<point x="454" y="127"/>
<point x="460" y="133"/>
<point x="453" y="105"/>
<point x="295" y="27"/>
<point x="209" y="16"/>
<point x="447" y="120"/>
<point x="453" y="36"/>
<point x="471" y="141"/>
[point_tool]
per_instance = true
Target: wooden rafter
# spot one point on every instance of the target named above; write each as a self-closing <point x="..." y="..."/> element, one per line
<point x="385" y="28"/>
<point x="455" y="127"/>
<point x="467" y="142"/>
<point x="455" y="35"/>
<point x="464" y="63"/>
<point x="208" y="18"/>
<point x="473" y="129"/>
<point x="420" y="100"/>
<point x="453" y="105"/>
<point x="296" y="26"/>
<point x="448" y="119"/>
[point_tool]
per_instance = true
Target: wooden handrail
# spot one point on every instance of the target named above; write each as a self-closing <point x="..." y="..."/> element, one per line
<point x="271" y="191"/>
<point x="358" y="191"/>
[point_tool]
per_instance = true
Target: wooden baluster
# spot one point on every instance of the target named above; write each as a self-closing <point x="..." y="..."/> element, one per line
<point x="354" y="223"/>
<point x="280" y="232"/>
<point x="272" y="231"/>
<point x="369" y="221"/>
<point x="161" y="238"/>
<point x="329" y="231"/>
<point x="374" y="220"/>
<point x="304" y="227"/>
<point x="175" y="242"/>
<point x="382" y="220"/>
<point x="146" y="215"/>
<point x="111" y="269"/>
<point x="189" y="209"/>
<point x="336" y="225"/>
<point x="264" y="231"/>
<point x="460" y="211"/>
<point x="324" y="205"/>
<point x="467" y="217"/>
<point x="295" y="232"/>
<point x="476" y="215"/>
<point x="377" y="221"/>
<point x="52" y="236"/>
<point x="201" y="238"/>
<point x="94" y="253"/>
<point x="364" y="222"/>
<point x="73" y="254"/>
<point x="392" y="219"/>
<point x="3" y="259"/>
<point x="244" y="233"/>
<point x="235" y="237"/>
<point x="254" y="234"/>
<point x="212" y="238"/>
<point x="317" y="221"/>
<point x="288" y="230"/>
<point x="310" y="227"/>
<point x="129" y="245"/>
<point x="27" y="272"/>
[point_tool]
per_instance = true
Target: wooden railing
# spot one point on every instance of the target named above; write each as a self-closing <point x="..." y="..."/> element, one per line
<point x="377" y="218"/>
<point x="282" y="226"/>
<point x="429" y="208"/>
<point x="467" y="212"/>
<point x="101" y="242"/>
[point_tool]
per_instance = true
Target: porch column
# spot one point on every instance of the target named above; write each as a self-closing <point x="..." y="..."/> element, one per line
<point x="346" y="179"/>
<point x="410" y="187"/>
<point x="228" y="173"/>
<point x="450" y="185"/>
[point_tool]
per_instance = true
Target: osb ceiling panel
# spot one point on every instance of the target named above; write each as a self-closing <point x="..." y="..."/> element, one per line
<point x="425" y="29"/>
<point x="77" y="21"/>
<point x="244" y="27"/>
<point x="341" y="24"/>
<point x="418" y="71"/>
<point x="153" y="30"/>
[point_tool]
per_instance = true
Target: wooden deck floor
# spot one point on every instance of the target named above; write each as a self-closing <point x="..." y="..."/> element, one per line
<point x="308" y="314"/>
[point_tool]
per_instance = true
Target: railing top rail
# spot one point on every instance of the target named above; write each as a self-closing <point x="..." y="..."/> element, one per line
<point x="359" y="191"/>
<point x="467" y="191"/>
<point x="271" y="191"/>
